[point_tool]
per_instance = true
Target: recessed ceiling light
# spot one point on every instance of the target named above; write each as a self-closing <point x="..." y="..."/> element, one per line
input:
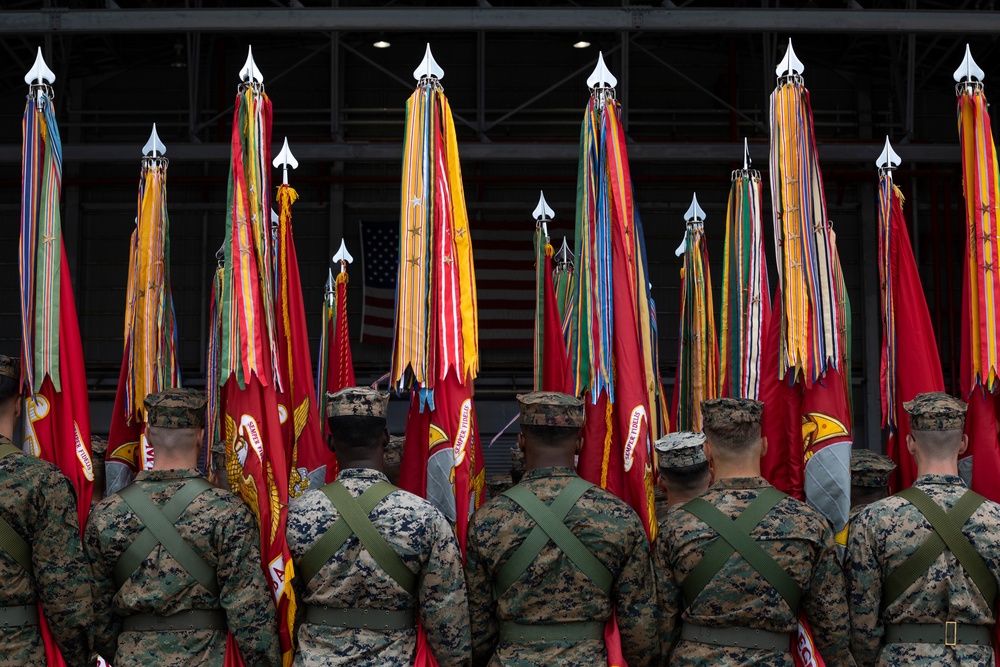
<point x="581" y="44"/>
<point x="381" y="44"/>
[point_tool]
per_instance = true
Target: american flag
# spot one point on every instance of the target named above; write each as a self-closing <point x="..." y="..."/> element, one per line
<point x="505" y="281"/>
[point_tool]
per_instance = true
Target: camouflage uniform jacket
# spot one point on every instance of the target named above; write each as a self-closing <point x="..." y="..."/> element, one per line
<point x="799" y="539"/>
<point x="425" y="541"/>
<point x="39" y="504"/>
<point x="553" y="589"/>
<point x="882" y="537"/>
<point x="223" y="531"/>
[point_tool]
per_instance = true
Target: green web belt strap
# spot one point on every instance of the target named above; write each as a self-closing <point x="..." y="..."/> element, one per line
<point x="550" y="525"/>
<point x="734" y="537"/>
<point x="13" y="544"/>
<point x="159" y="529"/>
<point x="947" y="534"/>
<point x="354" y="520"/>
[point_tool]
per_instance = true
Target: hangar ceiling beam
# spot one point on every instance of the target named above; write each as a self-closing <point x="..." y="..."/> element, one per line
<point x="503" y="152"/>
<point x="106" y="21"/>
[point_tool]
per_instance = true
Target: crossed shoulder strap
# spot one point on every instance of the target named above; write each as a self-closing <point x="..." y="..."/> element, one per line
<point x="13" y="544"/>
<point x="159" y="529"/>
<point x="549" y="525"/>
<point x="354" y="520"/>
<point x="946" y="534"/>
<point x="734" y="537"/>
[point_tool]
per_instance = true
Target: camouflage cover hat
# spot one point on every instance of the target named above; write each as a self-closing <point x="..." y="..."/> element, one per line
<point x="357" y="402"/>
<point x="870" y="469"/>
<point x="936" y="411"/>
<point x="718" y="411"/>
<point x="680" y="449"/>
<point x="176" y="408"/>
<point x="10" y="366"/>
<point x="550" y="408"/>
<point x="98" y="446"/>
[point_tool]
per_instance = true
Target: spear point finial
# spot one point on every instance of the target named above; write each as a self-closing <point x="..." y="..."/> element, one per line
<point x="542" y="212"/>
<point x="249" y="73"/>
<point x="601" y="77"/>
<point x="746" y="154"/>
<point x="888" y="158"/>
<point x="790" y="65"/>
<point x="694" y="212"/>
<point x="343" y="256"/>
<point x="428" y="67"/>
<point x="154" y="147"/>
<point x="285" y="159"/>
<point x="968" y="70"/>
<point x="39" y="72"/>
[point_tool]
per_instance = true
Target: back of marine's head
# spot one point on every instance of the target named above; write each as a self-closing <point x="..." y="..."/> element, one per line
<point x="732" y="427"/>
<point x="356" y="417"/>
<point x="937" y="424"/>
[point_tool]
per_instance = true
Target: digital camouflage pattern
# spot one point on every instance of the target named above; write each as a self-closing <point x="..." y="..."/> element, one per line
<point x="392" y="458"/>
<point x="550" y="408"/>
<point x="799" y="539"/>
<point x="10" y="367"/>
<point x="882" y="537"/>
<point x="425" y="541"/>
<point x="497" y="484"/>
<point x="357" y="402"/>
<point x="222" y="530"/>
<point x="553" y="588"/>
<point x="176" y="408"/>
<point x="39" y="504"/>
<point x="517" y="464"/>
<point x="936" y="411"/>
<point x="662" y="505"/>
<point x="680" y="449"/>
<point x="870" y="469"/>
<point x="716" y="412"/>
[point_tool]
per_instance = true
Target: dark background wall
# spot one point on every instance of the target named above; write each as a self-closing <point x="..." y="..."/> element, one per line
<point x="690" y="96"/>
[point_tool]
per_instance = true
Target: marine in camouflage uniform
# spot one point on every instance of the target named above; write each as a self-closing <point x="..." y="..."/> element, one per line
<point x="944" y="603"/>
<point x="38" y="502"/>
<point x="98" y="453"/>
<point x="349" y="588"/>
<point x="869" y="478"/>
<point x="738" y="607"/>
<point x="684" y="472"/>
<point x="219" y="528"/>
<point x="553" y="597"/>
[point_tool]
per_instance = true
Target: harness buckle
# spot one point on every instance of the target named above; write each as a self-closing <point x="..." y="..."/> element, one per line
<point x="950" y="633"/>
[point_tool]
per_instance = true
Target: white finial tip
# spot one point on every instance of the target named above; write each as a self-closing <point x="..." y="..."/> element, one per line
<point x="682" y="248"/>
<point x="342" y="254"/>
<point x="694" y="212"/>
<point x="601" y="77"/>
<point x="746" y="154"/>
<point x="285" y="158"/>
<point x="543" y="212"/>
<point x="428" y="67"/>
<point x="790" y="65"/>
<point x="968" y="70"/>
<point x="154" y="146"/>
<point x="888" y="158"/>
<point x="39" y="72"/>
<point x="249" y="72"/>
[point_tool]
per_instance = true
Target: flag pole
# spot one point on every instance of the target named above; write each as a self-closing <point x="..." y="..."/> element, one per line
<point x="698" y="354"/>
<point x="980" y="284"/>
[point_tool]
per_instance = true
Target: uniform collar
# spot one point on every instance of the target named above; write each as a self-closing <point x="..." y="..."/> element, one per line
<point x="543" y="473"/>
<point x="167" y="475"/>
<point x="741" y="483"/>
<point x="939" y="479"/>
<point x="369" y="474"/>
